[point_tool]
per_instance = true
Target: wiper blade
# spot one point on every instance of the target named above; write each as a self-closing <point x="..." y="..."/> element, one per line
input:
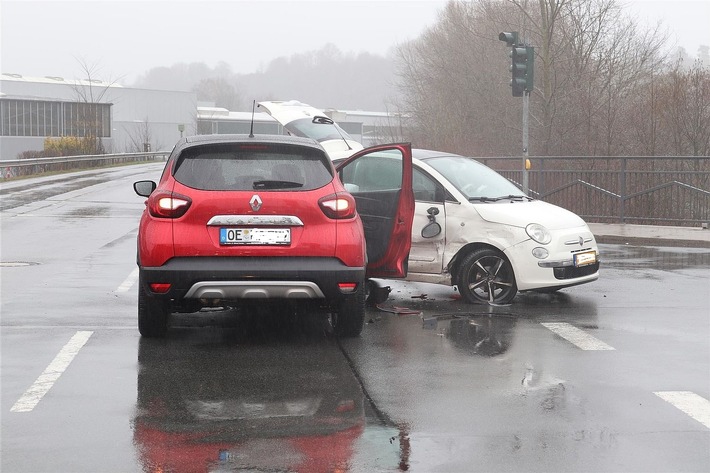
<point x="273" y="184"/>
<point x="513" y="197"/>
<point x="481" y="198"/>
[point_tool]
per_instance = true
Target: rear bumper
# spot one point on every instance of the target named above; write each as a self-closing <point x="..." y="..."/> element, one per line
<point x="233" y="278"/>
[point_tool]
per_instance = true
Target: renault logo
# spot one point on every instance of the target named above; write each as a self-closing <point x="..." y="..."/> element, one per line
<point x="255" y="203"/>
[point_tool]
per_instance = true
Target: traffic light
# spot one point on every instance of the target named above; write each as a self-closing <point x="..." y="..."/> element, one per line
<point x="522" y="63"/>
<point x="510" y="38"/>
<point x="519" y="69"/>
<point x="522" y="69"/>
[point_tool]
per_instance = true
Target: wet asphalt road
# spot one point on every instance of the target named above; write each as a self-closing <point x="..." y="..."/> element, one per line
<point x="588" y="379"/>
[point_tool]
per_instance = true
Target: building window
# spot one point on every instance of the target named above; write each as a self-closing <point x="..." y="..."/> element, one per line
<point x="44" y="118"/>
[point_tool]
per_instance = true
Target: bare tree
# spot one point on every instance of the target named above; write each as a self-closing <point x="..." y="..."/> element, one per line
<point x="687" y="114"/>
<point x="90" y="122"/>
<point x="591" y="64"/>
<point x="140" y="138"/>
<point x="219" y="91"/>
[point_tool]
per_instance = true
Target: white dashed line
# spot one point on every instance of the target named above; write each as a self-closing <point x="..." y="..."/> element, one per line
<point x="51" y="374"/>
<point x="695" y="406"/>
<point x="129" y="282"/>
<point x="578" y="337"/>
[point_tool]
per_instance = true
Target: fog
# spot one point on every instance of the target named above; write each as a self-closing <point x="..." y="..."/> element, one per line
<point x="130" y="37"/>
<point x="126" y="41"/>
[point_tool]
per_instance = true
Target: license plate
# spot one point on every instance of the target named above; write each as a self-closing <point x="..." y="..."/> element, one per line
<point x="254" y="236"/>
<point x="583" y="259"/>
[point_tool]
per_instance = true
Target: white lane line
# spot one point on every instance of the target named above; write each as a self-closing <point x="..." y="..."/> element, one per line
<point x="578" y="337"/>
<point x="129" y="282"/>
<point x="46" y="380"/>
<point x="695" y="406"/>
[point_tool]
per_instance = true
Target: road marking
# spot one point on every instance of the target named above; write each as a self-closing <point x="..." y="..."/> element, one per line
<point x="695" y="406"/>
<point x="51" y="374"/>
<point x="578" y="337"/>
<point x="129" y="282"/>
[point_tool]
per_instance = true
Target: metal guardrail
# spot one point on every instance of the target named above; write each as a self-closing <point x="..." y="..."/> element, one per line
<point x="29" y="167"/>
<point x="651" y="190"/>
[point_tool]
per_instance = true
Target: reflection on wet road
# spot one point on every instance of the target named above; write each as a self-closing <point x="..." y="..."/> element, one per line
<point x="262" y="396"/>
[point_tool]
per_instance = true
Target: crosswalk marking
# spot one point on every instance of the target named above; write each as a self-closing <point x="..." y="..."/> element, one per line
<point x="692" y="404"/>
<point x="51" y="374"/>
<point x="576" y="336"/>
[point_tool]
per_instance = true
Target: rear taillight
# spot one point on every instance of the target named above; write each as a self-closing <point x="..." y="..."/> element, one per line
<point x="339" y="206"/>
<point x="347" y="287"/>
<point x="164" y="204"/>
<point x="160" y="288"/>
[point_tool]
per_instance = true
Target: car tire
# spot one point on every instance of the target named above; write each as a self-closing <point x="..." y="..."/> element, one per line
<point x="349" y="317"/>
<point x="153" y="313"/>
<point x="486" y="275"/>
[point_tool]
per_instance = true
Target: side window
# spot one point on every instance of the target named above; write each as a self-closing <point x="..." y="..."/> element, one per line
<point x="373" y="173"/>
<point x="426" y="189"/>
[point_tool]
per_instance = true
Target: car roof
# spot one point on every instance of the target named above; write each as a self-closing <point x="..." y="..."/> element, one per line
<point x="196" y="140"/>
<point x="424" y="154"/>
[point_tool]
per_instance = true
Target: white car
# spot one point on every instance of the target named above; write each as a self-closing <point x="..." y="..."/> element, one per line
<point x="475" y="229"/>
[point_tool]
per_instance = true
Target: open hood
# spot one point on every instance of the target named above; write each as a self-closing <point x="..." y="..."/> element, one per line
<point x="300" y="119"/>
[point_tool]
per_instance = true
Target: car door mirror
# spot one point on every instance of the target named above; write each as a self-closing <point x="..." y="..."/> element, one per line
<point x="144" y="188"/>
<point x="431" y="230"/>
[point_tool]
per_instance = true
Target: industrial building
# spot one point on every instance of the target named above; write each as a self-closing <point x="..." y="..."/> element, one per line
<point x="127" y="119"/>
<point x="124" y="119"/>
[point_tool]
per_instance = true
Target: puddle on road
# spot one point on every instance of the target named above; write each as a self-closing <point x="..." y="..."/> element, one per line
<point x="16" y="197"/>
<point x="478" y="334"/>
<point x="89" y="212"/>
<point x="663" y="258"/>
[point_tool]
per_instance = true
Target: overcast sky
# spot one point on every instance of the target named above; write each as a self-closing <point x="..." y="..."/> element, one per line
<point x="126" y="38"/>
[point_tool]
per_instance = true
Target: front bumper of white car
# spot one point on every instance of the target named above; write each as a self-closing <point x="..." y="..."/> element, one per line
<point x="571" y="258"/>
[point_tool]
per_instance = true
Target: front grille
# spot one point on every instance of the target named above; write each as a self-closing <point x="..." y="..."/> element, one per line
<point x="570" y="272"/>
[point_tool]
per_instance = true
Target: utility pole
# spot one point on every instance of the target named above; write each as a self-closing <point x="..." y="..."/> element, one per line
<point x="522" y="69"/>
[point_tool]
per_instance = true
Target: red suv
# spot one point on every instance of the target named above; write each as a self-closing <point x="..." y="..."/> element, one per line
<point x="237" y="217"/>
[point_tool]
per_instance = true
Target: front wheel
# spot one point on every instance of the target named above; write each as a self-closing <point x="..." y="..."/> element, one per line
<point x="349" y="317"/>
<point x="153" y="313"/>
<point x="486" y="276"/>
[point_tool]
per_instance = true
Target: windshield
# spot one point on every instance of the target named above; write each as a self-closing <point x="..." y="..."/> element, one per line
<point x="318" y="130"/>
<point x="473" y="179"/>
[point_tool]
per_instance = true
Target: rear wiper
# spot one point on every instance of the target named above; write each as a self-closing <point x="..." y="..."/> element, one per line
<point x="272" y="184"/>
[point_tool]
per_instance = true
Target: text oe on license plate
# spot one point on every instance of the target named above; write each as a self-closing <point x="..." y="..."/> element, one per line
<point x="583" y="259"/>
<point x="254" y="236"/>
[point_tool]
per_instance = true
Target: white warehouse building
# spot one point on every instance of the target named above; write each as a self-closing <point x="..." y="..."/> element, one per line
<point x="128" y="119"/>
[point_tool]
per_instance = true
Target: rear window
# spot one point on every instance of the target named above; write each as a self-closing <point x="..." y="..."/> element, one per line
<point x="249" y="166"/>
<point x="319" y="130"/>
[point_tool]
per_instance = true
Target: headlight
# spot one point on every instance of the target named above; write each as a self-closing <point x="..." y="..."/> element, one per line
<point x="538" y="233"/>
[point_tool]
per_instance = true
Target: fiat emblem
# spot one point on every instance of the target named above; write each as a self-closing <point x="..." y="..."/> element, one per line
<point x="255" y="203"/>
<point x="581" y="239"/>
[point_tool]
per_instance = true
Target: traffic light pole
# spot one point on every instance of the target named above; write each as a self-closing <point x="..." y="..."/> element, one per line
<point x="526" y="105"/>
<point x="522" y="69"/>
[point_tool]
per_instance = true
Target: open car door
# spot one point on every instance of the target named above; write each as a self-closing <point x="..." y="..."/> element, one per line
<point x="380" y="180"/>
